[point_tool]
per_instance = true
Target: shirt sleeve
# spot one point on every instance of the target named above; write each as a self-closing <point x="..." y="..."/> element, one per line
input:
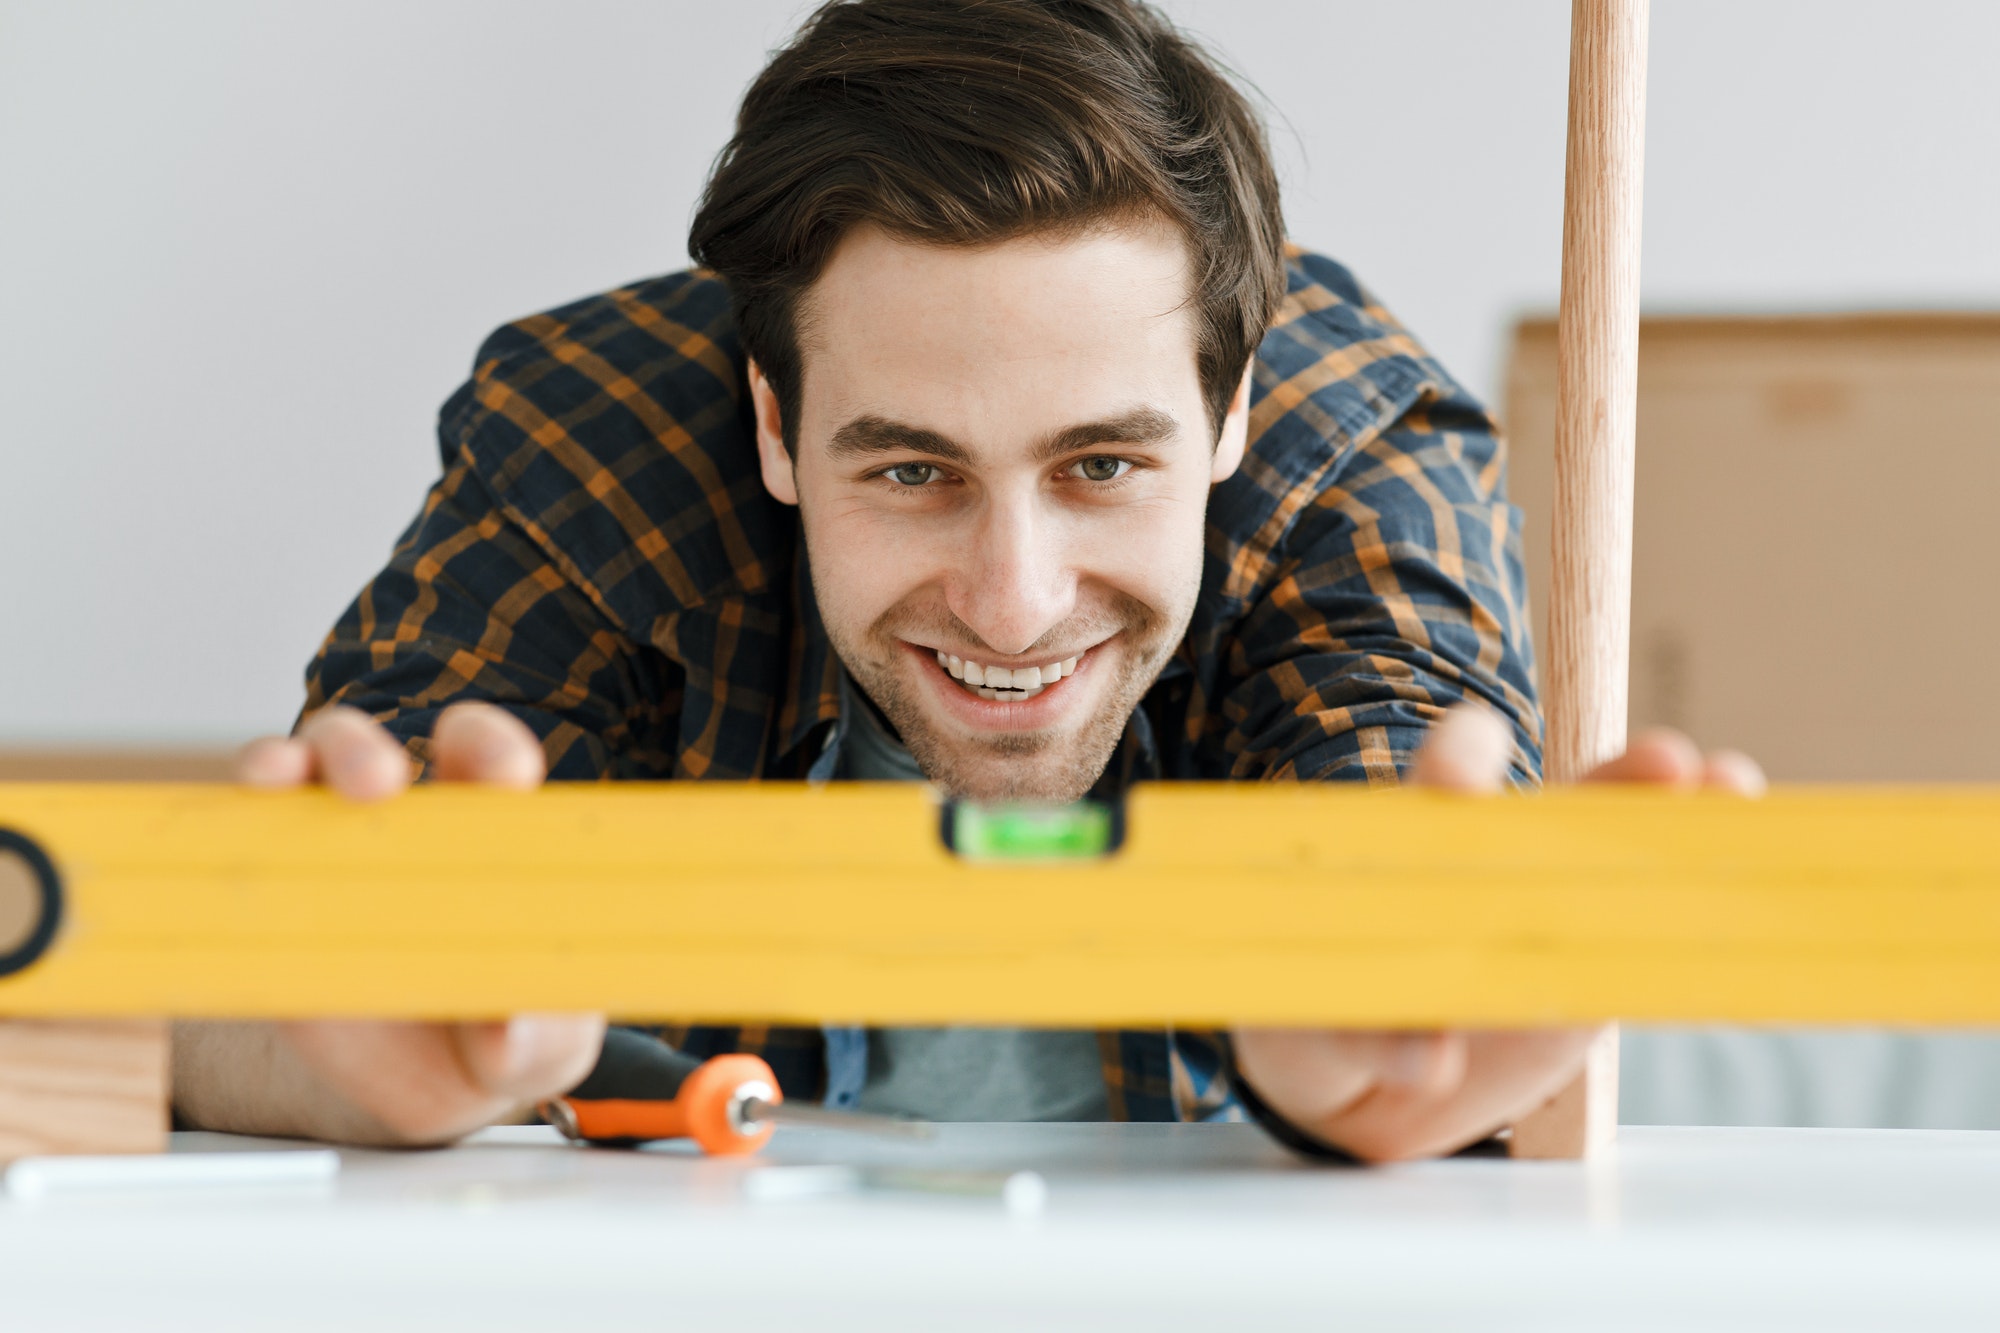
<point x="469" y="608"/>
<point x="1398" y="592"/>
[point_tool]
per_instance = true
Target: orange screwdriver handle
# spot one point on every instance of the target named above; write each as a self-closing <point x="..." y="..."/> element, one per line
<point x="708" y="1109"/>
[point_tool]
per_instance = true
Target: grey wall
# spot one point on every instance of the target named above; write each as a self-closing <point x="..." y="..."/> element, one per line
<point x="246" y="249"/>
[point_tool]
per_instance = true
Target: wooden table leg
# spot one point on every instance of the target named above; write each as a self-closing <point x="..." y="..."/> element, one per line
<point x="1597" y="374"/>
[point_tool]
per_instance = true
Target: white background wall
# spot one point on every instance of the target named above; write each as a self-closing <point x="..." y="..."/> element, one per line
<point x="247" y="248"/>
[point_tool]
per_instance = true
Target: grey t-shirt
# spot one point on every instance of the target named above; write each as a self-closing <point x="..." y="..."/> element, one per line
<point x="963" y="1073"/>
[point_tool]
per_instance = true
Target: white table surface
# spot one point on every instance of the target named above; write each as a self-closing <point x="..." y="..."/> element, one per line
<point x="1145" y="1227"/>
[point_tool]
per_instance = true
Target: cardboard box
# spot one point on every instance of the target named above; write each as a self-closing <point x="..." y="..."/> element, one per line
<point x="1816" y="566"/>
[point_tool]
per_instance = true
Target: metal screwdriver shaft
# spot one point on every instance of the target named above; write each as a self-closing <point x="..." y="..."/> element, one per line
<point x="757" y="1112"/>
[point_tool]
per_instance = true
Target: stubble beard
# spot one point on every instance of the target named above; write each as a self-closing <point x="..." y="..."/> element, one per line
<point x="1039" y="766"/>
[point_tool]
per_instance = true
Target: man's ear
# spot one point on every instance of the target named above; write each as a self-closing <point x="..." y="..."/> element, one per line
<point x="772" y="455"/>
<point x="1235" y="430"/>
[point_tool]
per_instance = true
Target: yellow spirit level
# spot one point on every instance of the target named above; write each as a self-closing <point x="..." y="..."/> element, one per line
<point x="1198" y="904"/>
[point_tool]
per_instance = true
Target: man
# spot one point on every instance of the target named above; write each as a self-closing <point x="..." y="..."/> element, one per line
<point x="1005" y="446"/>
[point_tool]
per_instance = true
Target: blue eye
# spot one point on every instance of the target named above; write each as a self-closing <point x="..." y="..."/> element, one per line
<point x="913" y="474"/>
<point x="1102" y="469"/>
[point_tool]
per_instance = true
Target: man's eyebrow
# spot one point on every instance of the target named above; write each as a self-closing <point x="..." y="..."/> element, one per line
<point x="866" y="436"/>
<point x="1141" y="425"/>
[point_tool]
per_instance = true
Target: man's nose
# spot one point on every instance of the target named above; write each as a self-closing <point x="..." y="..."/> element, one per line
<point x="1014" y="580"/>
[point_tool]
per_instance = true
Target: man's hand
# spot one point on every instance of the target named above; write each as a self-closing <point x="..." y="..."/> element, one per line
<point x="1387" y="1096"/>
<point x="382" y="1082"/>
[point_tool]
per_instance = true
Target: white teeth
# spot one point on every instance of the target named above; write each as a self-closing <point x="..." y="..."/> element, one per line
<point x="1018" y="682"/>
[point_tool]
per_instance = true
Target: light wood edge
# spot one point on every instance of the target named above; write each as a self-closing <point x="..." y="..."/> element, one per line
<point x="104" y="764"/>
<point x="86" y="1086"/>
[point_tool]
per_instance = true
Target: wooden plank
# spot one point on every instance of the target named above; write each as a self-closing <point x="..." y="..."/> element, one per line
<point x="82" y="1086"/>
<point x="1229" y="902"/>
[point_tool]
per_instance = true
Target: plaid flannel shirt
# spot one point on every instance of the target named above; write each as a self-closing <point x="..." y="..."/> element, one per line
<point x="600" y="558"/>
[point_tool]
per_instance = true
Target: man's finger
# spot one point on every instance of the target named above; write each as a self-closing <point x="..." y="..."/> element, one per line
<point x="1735" y="772"/>
<point x="484" y="743"/>
<point x="389" y="1083"/>
<point x="531" y="1057"/>
<point x="275" y="763"/>
<point x="1309" y="1071"/>
<point x="355" y="755"/>
<point x="1467" y="750"/>
<point x="1507" y="1075"/>
<point x="1319" y="1074"/>
<point x="1428" y="1064"/>
<point x="1657" y="755"/>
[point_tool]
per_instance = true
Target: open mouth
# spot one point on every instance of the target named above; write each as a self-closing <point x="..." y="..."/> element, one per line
<point x="1003" y="684"/>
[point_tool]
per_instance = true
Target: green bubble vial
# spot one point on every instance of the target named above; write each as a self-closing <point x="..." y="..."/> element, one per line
<point x="1032" y="832"/>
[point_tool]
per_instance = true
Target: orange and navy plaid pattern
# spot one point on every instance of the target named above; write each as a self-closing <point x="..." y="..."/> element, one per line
<point x="600" y="557"/>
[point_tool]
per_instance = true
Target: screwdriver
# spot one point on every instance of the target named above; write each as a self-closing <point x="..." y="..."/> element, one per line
<point x="643" y="1089"/>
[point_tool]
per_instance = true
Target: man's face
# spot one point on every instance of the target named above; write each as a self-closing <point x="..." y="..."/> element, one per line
<point x="1003" y="463"/>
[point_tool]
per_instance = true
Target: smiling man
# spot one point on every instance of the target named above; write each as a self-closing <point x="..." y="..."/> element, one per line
<point x="1002" y="443"/>
<point x="1020" y="426"/>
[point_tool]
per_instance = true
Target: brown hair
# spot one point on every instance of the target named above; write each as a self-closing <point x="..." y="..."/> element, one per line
<point x="968" y="122"/>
